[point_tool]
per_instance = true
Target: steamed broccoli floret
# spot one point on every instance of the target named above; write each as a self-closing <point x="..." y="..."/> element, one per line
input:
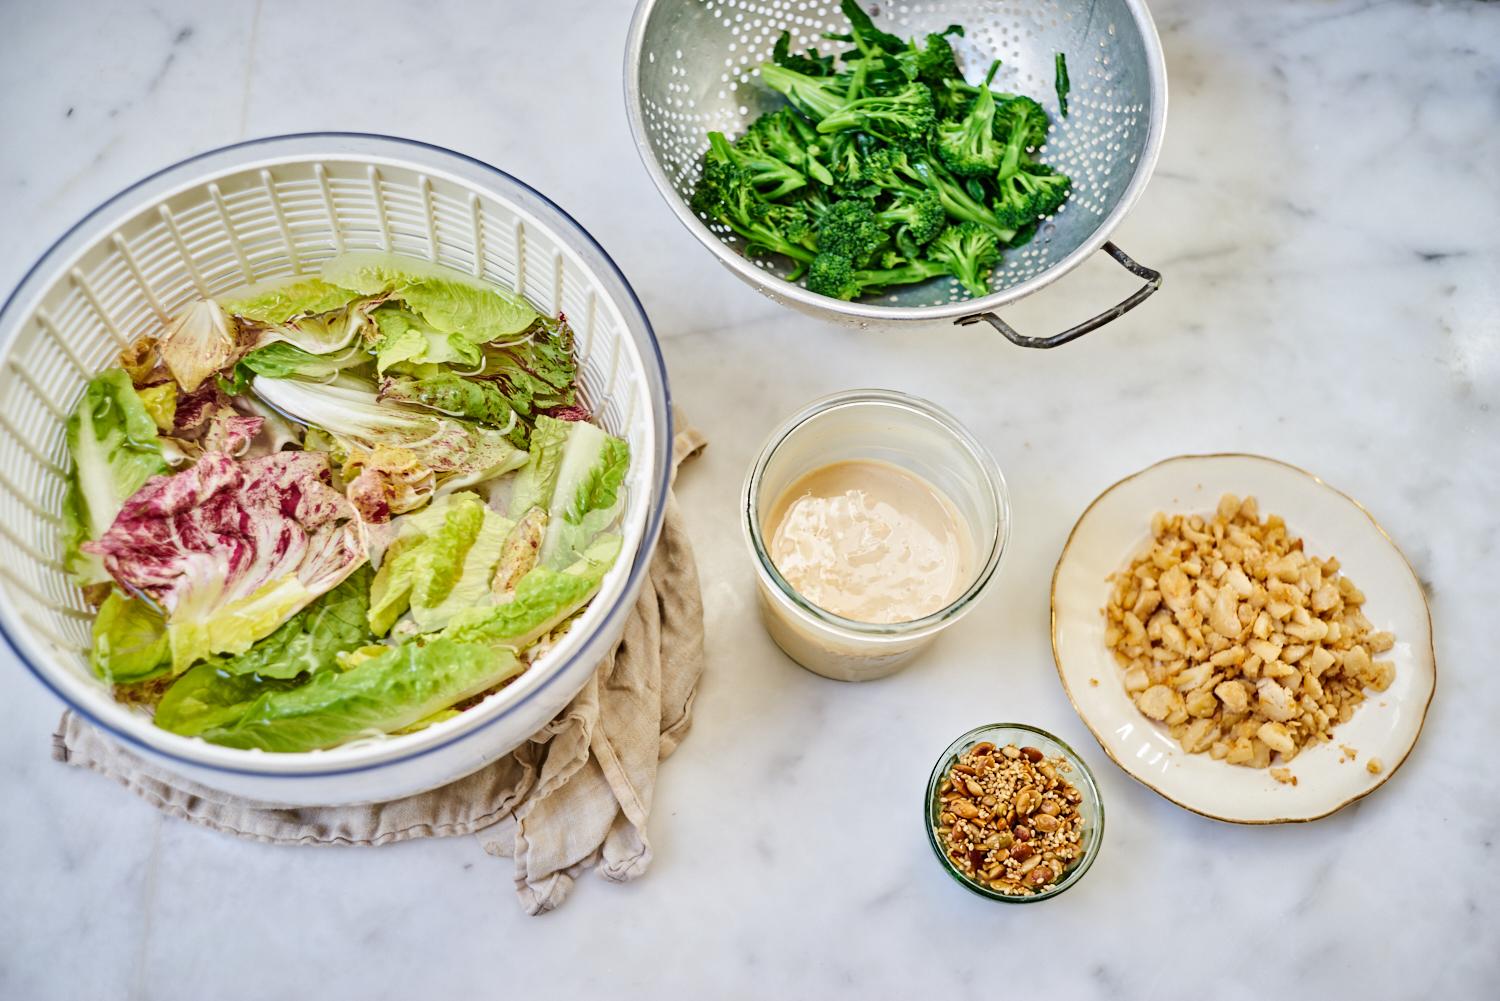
<point x="967" y="146"/>
<point x="969" y="252"/>
<point x="919" y="214"/>
<point x="957" y="202"/>
<point x="726" y="194"/>
<point x="850" y="230"/>
<point x="1034" y="191"/>
<point x="1023" y="125"/>
<point x="811" y="64"/>
<point x="905" y="118"/>
<point x="834" y="275"/>
<point x="786" y="136"/>
<point x="771" y="177"/>
<point x="935" y="61"/>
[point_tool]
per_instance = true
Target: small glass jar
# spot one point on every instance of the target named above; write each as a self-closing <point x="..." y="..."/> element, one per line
<point x="1091" y="807"/>
<point x="904" y="431"/>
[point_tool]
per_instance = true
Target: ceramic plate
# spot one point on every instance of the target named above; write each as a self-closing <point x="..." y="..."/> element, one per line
<point x="1116" y="527"/>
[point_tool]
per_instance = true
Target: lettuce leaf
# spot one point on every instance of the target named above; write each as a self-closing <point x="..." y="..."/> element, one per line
<point x="280" y="300"/>
<point x="543" y="599"/>
<point x="231" y="550"/>
<point x="311" y="640"/>
<point x="406" y="340"/>
<point x="130" y="641"/>
<point x="280" y="359"/>
<point x="112" y="445"/>
<point x="450" y="393"/>
<point x="575" y="471"/>
<point x="160" y="402"/>
<point x="200" y="342"/>
<point x="440" y="562"/>
<point x="389" y="691"/>
<point x="450" y="301"/>
<point x="535" y="372"/>
<point x="207" y="697"/>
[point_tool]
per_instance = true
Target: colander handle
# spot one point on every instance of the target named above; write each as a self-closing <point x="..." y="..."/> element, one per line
<point x="1153" y="282"/>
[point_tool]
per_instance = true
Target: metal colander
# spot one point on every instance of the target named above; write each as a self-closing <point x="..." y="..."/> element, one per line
<point x="691" y="68"/>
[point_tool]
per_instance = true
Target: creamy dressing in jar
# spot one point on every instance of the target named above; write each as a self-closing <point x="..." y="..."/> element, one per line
<point x="870" y="541"/>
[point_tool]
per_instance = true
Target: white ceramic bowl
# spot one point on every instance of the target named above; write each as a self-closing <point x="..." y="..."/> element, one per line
<point x="259" y="210"/>
<point x="1117" y="525"/>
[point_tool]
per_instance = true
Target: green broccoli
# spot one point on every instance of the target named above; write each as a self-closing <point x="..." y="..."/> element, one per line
<point x="772" y="178"/>
<point x="918" y="214"/>
<point x="935" y="62"/>
<point x="816" y="97"/>
<point x="905" y="118"/>
<point x="868" y="39"/>
<point x="835" y="276"/>
<point x="967" y="146"/>
<point x="851" y="230"/>
<point x="1030" y="193"/>
<point x="725" y="194"/>
<point x="969" y="252"/>
<point x="786" y="136"/>
<point x="1023" y="124"/>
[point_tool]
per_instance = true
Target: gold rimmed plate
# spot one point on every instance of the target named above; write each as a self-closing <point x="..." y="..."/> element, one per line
<point x="1117" y="526"/>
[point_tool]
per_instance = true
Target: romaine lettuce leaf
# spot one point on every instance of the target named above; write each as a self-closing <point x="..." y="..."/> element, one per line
<point x="112" y="445"/>
<point x="575" y="471"/>
<point x="282" y="358"/>
<point x="386" y="692"/>
<point x="311" y="640"/>
<point x="543" y="599"/>
<point x="281" y="299"/>
<point x="405" y="339"/>
<point x="231" y="550"/>
<point x="449" y="300"/>
<point x="536" y="372"/>
<point x="130" y="641"/>
<point x="441" y="561"/>
<point x="200" y="342"/>
<point x="450" y="393"/>
<point x="207" y="697"/>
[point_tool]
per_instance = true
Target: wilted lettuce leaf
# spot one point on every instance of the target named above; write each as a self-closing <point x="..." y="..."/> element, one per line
<point x="381" y="694"/>
<point x="310" y="641"/>
<point x="280" y="300"/>
<point x="536" y="372"/>
<point x="112" y="446"/>
<point x="449" y="300"/>
<point x="200" y="342"/>
<point x="130" y="641"/>
<point x="160" y="402"/>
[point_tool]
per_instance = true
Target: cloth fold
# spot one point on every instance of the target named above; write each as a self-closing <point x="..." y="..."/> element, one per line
<point x="576" y="795"/>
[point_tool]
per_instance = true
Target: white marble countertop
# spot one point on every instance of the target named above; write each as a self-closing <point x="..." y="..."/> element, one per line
<point x="1325" y="213"/>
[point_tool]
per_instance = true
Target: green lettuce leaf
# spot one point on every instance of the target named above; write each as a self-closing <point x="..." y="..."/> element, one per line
<point x="405" y="339"/>
<point x="449" y="300"/>
<point x="543" y="600"/>
<point x="450" y="393"/>
<point x="280" y="359"/>
<point x="198" y="629"/>
<point x="311" y="640"/>
<point x="160" y="402"/>
<point x="536" y="372"/>
<point x="207" y="697"/>
<point x="130" y="641"/>
<point x="279" y="300"/>
<point x="533" y="485"/>
<point x="586" y="495"/>
<point x="112" y="448"/>
<point x="441" y="561"/>
<point x="381" y="694"/>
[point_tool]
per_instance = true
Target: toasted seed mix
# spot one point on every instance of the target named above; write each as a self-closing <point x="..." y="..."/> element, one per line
<point x="1009" y="819"/>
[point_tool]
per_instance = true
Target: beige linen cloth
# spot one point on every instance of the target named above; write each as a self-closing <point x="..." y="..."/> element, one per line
<point x="577" y="794"/>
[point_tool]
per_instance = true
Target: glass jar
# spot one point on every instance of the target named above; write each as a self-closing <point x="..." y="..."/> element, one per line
<point x="907" y="432"/>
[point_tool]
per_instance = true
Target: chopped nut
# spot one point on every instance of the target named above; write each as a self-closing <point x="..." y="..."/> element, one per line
<point x="1374" y="766"/>
<point x="1236" y="640"/>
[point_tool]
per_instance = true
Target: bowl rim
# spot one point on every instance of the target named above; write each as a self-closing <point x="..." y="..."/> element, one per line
<point x="189" y="171"/>
<point x="1094" y="841"/>
<point x="780" y="289"/>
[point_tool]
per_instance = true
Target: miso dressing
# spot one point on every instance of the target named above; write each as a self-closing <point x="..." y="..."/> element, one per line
<point x="870" y="541"/>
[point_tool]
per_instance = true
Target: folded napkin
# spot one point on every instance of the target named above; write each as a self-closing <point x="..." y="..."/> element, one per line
<point x="577" y="794"/>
